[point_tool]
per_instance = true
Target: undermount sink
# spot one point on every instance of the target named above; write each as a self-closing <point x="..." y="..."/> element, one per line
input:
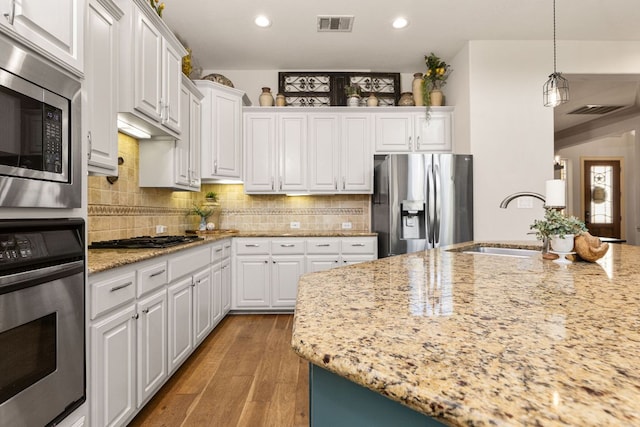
<point x="498" y="251"/>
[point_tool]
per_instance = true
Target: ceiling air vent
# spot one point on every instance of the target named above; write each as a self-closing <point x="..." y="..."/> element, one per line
<point x="335" y="23"/>
<point x="596" y="109"/>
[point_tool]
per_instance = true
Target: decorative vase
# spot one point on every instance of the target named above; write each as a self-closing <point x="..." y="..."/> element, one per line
<point x="266" y="99"/>
<point x="562" y="244"/>
<point x="406" y="99"/>
<point x="203" y="224"/>
<point x="353" y="101"/>
<point x="435" y="97"/>
<point x="280" y="100"/>
<point x="372" y="100"/>
<point x="416" y="86"/>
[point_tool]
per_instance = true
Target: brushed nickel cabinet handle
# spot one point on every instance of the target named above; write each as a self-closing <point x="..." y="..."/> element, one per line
<point x="157" y="273"/>
<point x="12" y="14"/>
<point x="287" y="245"/>
<point x="117" y="288"/>
<point x="251" y="245"/>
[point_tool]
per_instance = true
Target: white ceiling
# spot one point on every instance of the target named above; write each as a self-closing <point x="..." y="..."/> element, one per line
<point x="222" y="35"/>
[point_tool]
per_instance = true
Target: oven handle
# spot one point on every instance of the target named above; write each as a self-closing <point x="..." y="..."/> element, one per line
<point x="25" y="279"/>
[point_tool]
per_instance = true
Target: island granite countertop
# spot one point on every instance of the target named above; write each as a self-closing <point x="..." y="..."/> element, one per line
<point x="479" y="340"/>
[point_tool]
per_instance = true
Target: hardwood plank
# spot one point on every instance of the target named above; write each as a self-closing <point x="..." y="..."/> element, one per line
<point x="244" y="374"/>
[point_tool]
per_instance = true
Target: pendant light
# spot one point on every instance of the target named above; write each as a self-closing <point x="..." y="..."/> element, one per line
<point x="556" y="89"/>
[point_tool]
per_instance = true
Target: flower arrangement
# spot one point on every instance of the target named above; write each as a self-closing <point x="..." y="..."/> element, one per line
<point x="555" y="223"/>
<point x="158" y="7"/>
<point x="352" y="90"/>
<point x="437" y="72"/>
<point x="202" y="212"/>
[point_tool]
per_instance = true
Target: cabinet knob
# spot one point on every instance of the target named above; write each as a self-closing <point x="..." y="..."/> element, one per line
<point x="418" y="142"/>
<point x="89" y="145"/>
<point x="410" y="143"/>
<point x="135" y="316"/>
<point x="266" y="262"/>
<point x="145" y="311"/>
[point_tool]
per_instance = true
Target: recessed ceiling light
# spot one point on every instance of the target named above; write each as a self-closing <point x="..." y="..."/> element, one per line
<point x="400" y="23"/>
<point x="262" y="21"/>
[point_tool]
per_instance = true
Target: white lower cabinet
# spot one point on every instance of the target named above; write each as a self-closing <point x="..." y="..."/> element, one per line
<point x="146" y="319"/>
<point x="180" y="322"/>
<point x="152" y="343"/>
<point x="267" y="270"/>
<point x="113" y="366"/>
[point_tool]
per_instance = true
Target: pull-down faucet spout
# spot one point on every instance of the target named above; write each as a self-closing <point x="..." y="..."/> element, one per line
<point x="513" y="196"/>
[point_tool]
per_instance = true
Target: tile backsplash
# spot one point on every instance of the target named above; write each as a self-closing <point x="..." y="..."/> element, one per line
<point x="123" y="209"/>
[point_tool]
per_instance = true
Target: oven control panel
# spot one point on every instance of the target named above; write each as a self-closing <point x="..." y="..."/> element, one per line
<point x="20" y="247"/>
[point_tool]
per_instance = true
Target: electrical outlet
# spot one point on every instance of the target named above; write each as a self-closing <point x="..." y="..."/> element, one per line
<point x="294" y="224"/>
<point x="346" y="226"/>
<point x="161" y="229"/>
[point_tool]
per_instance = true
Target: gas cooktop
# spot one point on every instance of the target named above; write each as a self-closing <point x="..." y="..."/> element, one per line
<point x="144" y="242"/>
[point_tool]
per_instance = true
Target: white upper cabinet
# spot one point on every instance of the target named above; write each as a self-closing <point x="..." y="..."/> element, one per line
<point x="99" y="108"/>
<point x="221" y="131"/>
<point x="340" y="153"/>
<point x="54" y="29"/>
<point x="323" y="152"/>
<point x="175" y="163"/>
<point x="408" y="130"/>
<point x="150" y="71"/>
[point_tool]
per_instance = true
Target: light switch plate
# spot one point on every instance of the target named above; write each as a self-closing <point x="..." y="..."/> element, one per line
<point x="161" y="229"/>
<point x="346" y="226"/>
<point x="294" y="224"/>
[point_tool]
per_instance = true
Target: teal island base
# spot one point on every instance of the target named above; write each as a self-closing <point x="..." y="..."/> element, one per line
<point x="336" y="401"/>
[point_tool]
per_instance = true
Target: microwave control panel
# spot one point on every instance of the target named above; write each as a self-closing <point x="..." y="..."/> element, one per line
<point x="52" y="139"/>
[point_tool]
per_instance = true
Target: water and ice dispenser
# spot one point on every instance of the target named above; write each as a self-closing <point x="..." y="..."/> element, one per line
<point x="412" y="213"/>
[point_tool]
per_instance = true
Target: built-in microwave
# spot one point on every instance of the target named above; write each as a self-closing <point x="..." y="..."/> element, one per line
<point x="39" y="146"/>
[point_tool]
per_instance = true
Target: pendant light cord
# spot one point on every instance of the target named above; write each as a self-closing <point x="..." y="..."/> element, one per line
<point x="554" y="36"/>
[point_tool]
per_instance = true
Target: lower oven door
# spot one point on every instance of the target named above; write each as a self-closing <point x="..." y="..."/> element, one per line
<point x="42" y="344"/>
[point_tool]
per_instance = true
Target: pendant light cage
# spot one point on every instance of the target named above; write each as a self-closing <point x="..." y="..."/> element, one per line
<point x="556" y="90"/>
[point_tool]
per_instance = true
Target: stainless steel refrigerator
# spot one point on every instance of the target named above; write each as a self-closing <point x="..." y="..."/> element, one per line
<point x="421" y="201"/>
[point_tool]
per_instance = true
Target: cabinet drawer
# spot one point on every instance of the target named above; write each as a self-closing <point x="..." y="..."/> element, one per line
<point x="358" y="246"/>
<point x="252" y="246"/>
<point x="323" y="246"/>
<point x="226" y="249"/>
<point x="188" y="261"/>
<point x="152" y="277"/>
<point x="217" y="253"/>
<point x="287" y="246"/>
<point x="111" y="293"/>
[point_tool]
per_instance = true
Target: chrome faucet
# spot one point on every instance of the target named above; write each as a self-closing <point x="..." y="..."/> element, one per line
<point x="513" y="196"/>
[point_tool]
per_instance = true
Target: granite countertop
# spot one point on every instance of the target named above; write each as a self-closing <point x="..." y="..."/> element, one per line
<point x="105" y="259"/>
<point x="473" y="339"/>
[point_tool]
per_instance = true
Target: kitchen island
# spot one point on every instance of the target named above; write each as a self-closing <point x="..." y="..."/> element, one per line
<point x="476" y="339"/>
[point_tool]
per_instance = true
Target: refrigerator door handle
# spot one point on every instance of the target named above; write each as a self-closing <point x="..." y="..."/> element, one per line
<point x="438" y="197"/>
<point x="430" y="208"/>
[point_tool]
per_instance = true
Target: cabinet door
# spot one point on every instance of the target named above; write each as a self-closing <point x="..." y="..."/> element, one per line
<point x="182" y="146"/>
<point x="227" y="110"/>
<point x="148" y="74"/>
<point x="356" y="160"/>
<point x="292" y="152"/>
<point x="393" y="132"/>
<point x="195" y="141"/>
<point x="101" y="77"/>
<point x="285" y="272"/>
<point x="317" y="263"/>
<point x="226" y="286"/>
<point x="113" y="356"/>
<point x="180" y="329"/>
<point x="171" y="88"/>
<point x="216" y="278"/>
<point x="152" y="344"/>
<point x="324" y="152"/>
<point x="433" y="134"/>
<point x="252" y="286"/>
<point x="259" y="139"/>
<point x="202" y="304"/>
<point x="56" y="28"/>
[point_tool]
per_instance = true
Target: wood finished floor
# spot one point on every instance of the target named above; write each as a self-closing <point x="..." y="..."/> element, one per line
<point x="244" y="374"/>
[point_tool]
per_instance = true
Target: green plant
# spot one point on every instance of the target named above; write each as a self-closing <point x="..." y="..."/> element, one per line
<point x="352" y="90"/>
<point x="200" y="211"/>
<point x="437" y="72"/>
<point x="212" y="195"/>
<point x="555" y="223"/>
<point x="158" y="7"/>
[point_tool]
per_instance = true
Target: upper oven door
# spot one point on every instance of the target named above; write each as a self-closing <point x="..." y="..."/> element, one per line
<point x="35" y="131"/>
